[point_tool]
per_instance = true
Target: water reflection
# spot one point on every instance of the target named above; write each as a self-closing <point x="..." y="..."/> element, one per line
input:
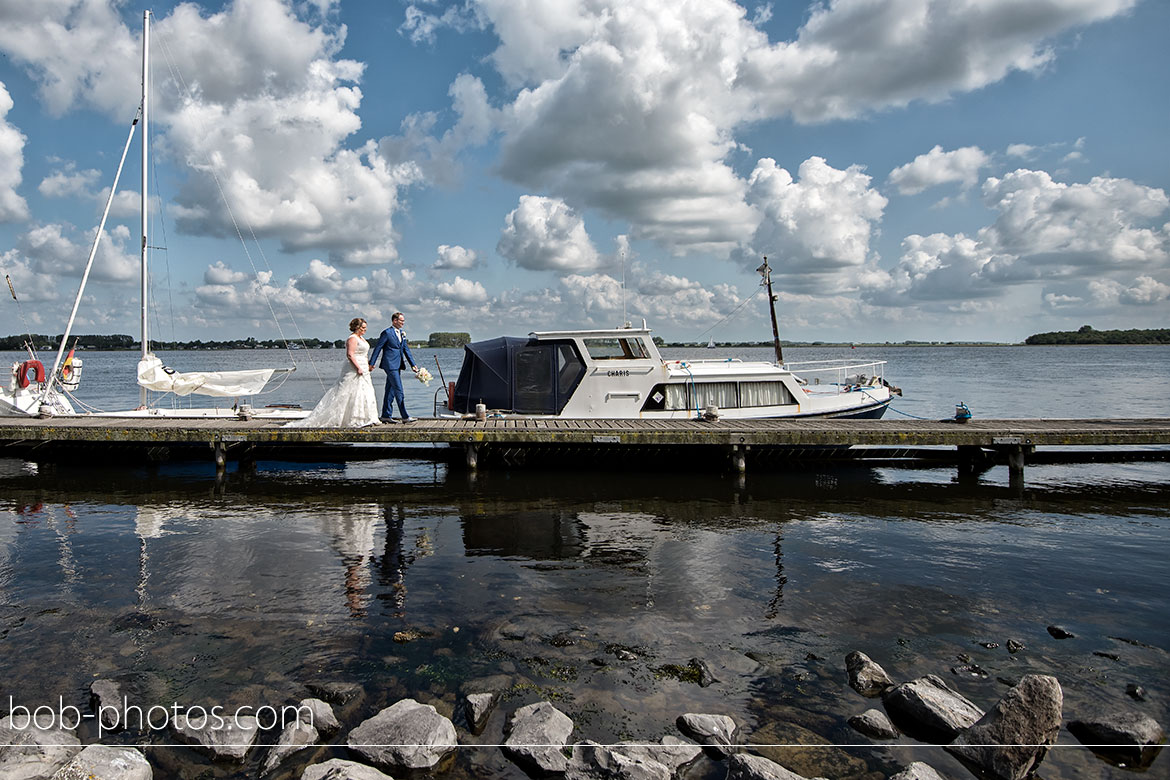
<point x="589" y="588"/>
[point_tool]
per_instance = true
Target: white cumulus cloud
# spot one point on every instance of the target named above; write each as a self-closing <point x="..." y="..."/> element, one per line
<point x="818" y="228"/>
<point x="939" y="167"/>
<point x="544" y="234"/>
<point x="13" y="207"/>
<point x="455" y="258"/>
<point x="462" y="291"/>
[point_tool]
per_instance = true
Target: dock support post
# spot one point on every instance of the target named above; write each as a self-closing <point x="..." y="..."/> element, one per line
<point x="1016" y="457"/>
<point x="739" y="458"/>
<point x="220" y="456"/>
<point x="471" y="453"/>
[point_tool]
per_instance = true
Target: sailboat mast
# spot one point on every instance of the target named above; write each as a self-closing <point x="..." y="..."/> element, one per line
<point x="145" y="176"/>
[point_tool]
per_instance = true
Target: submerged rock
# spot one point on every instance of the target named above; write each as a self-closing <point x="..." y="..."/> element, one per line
<point x="865" y="676"/>
<point x="875" y="724"/>
<point x="744" y="766"/>
<point x="1010" y="741"/>
<point x="1128" y="738"/>
<point x="405" y="735"/>
<point x="537" y="735"/>
<point x="714" y="732"/>
<point x="929" y="710"/>
<point x="1014" y="646"/>
<point x="104" y="762"/>
<point x="222" y="739"/>
<point x="106" y="699"/>
<point x="1058" y="632"/>
<point x="340" y="769"/>
<point x="29" y="752"/>
<point x="336" y="692"/>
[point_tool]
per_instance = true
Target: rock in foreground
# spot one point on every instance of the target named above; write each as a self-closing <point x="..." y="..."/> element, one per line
<point x="1128" y="738"/>
<point x="927" y="709"/>
<point x="1010" y="741"/>
<point x="405" y="735"/>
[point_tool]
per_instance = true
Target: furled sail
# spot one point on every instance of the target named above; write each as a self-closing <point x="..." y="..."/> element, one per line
<point x="153" y="375"/>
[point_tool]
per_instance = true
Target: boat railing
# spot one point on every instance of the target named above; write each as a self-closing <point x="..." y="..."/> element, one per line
<point x="838" y="372"/>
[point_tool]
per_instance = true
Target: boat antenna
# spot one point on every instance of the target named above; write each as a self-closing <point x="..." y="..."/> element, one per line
<point x="766" y="272"/>
<point x="625" y="318"/>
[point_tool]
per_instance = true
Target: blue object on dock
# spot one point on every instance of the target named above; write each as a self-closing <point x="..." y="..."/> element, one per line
<point x="962" y="413"/>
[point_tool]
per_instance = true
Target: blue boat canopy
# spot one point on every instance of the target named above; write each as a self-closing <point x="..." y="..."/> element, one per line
<point x="518" y="375"/>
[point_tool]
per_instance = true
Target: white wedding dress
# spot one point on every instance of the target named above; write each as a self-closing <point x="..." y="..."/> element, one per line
<point x="350" y="403"/>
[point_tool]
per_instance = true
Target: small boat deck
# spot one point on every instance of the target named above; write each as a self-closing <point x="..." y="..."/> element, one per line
<point x="526" y="441"/>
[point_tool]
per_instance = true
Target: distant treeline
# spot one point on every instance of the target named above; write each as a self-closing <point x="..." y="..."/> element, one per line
<point x="1086" y="335"/>
<point x="121" y="341"/>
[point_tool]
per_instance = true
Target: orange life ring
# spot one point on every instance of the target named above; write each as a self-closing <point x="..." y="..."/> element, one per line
<point x="38" y="369"/>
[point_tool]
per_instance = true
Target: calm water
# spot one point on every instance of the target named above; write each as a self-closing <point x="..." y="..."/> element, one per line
<point x="534" y="584"/>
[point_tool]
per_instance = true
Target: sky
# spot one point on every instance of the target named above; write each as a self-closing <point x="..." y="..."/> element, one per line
<point x="925" y="170"/>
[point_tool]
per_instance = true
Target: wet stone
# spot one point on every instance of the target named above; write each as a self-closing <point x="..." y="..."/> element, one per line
<point x="672" y="752"/>
<point x="744" y="766"/>
<point x="875" y="724"/>
<point x="104" y="762"/>
<point x="918" y="771"/>
<point x="591" y="761"/>
<point x="929" y="710"/>
<point x="29" y="752"/>
<point x="866" y="676"/>
<point x="1014" y="646"/>
<point x="296" y="736"/>
<point x="1011" y="739"/>
<point x="320" y="715"/>
<point x="340" y="769"/>
<point x="1137" y="692"/>
<point x="714" y="732"/>
<point x="477" y="708"/>
<point x="1128" y="738"/>
<point x="407" y="735"/>
<point x="336" y="692"/>
<point x="1060" y="633"/>
<point x="106" y="699"/>
<point x="230" y="740"/>
<point x="536" y="735"/>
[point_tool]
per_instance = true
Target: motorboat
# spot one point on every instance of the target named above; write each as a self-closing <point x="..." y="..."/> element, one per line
<point x="620" y="374"/>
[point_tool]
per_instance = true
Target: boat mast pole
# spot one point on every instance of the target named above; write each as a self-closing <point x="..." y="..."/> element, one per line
<point x="766" y="272"/>
<point x="142" y="395"/>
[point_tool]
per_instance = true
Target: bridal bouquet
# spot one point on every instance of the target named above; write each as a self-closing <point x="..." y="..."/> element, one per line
<point x="424" y="376"/>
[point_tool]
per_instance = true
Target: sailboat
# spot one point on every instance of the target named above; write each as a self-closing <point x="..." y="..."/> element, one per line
<point x="34" y="392"/>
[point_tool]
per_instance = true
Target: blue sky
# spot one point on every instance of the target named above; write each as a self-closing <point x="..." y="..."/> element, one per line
<point x="913" y="169"/>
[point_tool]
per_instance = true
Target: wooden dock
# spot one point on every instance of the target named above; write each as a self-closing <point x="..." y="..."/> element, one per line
<point x="974" y="444"/>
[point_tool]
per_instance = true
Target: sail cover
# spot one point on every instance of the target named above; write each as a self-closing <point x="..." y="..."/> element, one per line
<point x="153" y="375"/>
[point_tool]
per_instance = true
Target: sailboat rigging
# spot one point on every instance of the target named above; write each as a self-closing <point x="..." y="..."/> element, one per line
<point x="152" y="375"/>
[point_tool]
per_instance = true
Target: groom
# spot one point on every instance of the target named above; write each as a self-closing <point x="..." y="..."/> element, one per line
<point x="395" y="355"/>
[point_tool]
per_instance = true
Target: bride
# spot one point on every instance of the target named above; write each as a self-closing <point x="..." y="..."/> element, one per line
<point x="351" y="402"/>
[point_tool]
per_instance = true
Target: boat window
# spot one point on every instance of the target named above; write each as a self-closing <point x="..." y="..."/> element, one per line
<point x="570" y="369"/>
<point x="681" y="396"/>
<point x="534" y="389"/>
<point x="625" y="348"/>
<point x="676" y="397"/>
<point x="764" y="394"/>
<point x="722" y="394"/>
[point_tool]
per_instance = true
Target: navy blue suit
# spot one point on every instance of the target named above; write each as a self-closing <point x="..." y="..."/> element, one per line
<point x="395" y="357"/>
